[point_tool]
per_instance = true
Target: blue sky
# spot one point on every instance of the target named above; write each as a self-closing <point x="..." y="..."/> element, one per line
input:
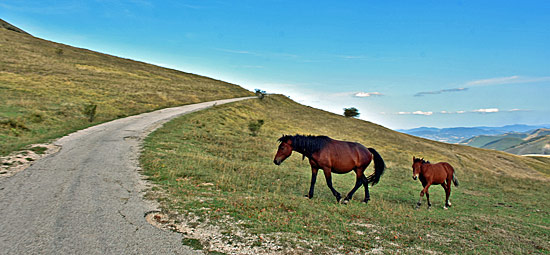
<point x="403" y="64"/>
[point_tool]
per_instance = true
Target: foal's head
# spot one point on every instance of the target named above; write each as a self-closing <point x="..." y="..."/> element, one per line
<point x="417" y="163"/>
<point x="284" y="151"/>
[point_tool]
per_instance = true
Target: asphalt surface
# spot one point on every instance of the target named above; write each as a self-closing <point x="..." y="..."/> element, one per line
<point x="88" y="197"/>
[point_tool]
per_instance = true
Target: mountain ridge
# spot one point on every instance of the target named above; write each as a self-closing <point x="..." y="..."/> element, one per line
<point x="521" y="143"/>
<point x="460" y="134"/>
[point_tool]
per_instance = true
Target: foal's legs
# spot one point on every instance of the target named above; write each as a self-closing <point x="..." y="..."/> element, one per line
<point x="328" y="178"/>
<point x="313" y="180"/>
<point x="358" y="182"/>
<point x="428" y="198"/>
<point x="424" y="190"/>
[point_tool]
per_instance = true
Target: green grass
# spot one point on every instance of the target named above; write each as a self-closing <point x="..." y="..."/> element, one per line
<point x="503" y="143"/>
<point x="501" y="205"/>
<point x="45" y="88"/>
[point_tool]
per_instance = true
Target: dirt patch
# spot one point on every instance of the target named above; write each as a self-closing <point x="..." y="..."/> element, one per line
<point x="20" y="160"/>
<point x="229" y="239"/>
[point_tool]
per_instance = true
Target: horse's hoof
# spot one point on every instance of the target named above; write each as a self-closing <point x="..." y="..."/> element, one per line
<point x="308" y="196"/>
<point x="366" y="201"/>
<point x="445" y="207"/>
<point x="345" y="201"/>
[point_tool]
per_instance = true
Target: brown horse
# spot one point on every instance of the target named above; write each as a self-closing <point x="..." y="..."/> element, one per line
<point x="333" y="156"/>
<point x="440" y="173"/>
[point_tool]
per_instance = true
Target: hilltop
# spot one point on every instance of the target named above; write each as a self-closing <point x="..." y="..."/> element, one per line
<point x="49" y="89"/>
<point x="8" y="26"/>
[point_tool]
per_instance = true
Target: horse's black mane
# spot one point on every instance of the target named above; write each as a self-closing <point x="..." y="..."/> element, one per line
<point x="421" y="160"/>
<point x="307" y="145"/>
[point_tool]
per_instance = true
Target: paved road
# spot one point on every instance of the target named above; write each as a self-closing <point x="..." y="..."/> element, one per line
<point x="87" y="198"/>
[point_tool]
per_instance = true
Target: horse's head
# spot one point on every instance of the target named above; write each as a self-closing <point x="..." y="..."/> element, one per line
<point x="417" y="163"/>
<point x="284" y="151"/>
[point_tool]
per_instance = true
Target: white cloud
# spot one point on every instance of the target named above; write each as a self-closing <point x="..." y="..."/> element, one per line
<point x="483" y="110"/>
<point x="422" y="113"/>
<point x="515" y="79"/>
<point x="493" y="81"/>
<point x="416" y="113"/>
<point x="368" y="94"/>
<point x="488" y="110"/>
<point x="236" y="51"/>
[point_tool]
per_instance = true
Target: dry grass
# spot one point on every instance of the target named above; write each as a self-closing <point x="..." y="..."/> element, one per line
<point x="45" y="86"/>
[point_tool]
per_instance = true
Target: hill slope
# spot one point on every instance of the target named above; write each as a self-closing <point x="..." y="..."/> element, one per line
<point x="49" y="89"/>
<point x="531" y="142"/>
<point x="537" y="145"/>
<point x="214" y="173"/>
<point x="8" y="26"/>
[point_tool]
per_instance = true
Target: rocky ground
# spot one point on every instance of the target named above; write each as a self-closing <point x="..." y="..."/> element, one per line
<point x="19" y="160"/>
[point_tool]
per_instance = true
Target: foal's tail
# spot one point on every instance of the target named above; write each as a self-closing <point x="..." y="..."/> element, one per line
<point x="455" y="180"/>
<point x="379" y="167"/>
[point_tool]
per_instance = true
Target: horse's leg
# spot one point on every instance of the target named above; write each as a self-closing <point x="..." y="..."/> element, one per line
<point x="358" y="183"/>
<point x="328" y="178"/>
<point x="313" y="180"/>
<point x="447" y="188"/>
<point x="366" y="185"/>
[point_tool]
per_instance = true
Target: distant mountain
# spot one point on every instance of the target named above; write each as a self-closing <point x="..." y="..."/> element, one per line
<point x="458" y="134"/>
<point x="538" y="145"/>
<point x="531" y="142"/>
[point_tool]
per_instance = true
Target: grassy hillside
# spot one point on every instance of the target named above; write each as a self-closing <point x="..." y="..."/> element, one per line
<point x="49" y="89"/>
<point x="533" y="142"/>
<point x="538" y="132"/>
<point x="537" y="145"/>
<point x="503" y="143"/>
<point x="217" y="177"/>
<point x="480" y="140"/>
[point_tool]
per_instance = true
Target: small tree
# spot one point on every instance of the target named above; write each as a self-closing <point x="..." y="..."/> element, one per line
<point x="254" y="127"/>
<point x="260" y="93"/>
<point x="89" y="111"/>
<point x="351" y="112"/>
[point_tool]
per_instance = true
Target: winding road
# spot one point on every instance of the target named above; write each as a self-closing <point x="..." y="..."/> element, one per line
<point x="88" y="197"/>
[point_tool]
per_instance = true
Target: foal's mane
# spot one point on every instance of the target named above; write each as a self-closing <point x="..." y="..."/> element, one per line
<point x="421" y="160"/>
<point x="307" y="145"/>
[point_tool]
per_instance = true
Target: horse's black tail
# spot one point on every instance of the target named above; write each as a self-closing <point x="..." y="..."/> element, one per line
<point x="455" y="180"/>
<point x="379" y="167"/>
